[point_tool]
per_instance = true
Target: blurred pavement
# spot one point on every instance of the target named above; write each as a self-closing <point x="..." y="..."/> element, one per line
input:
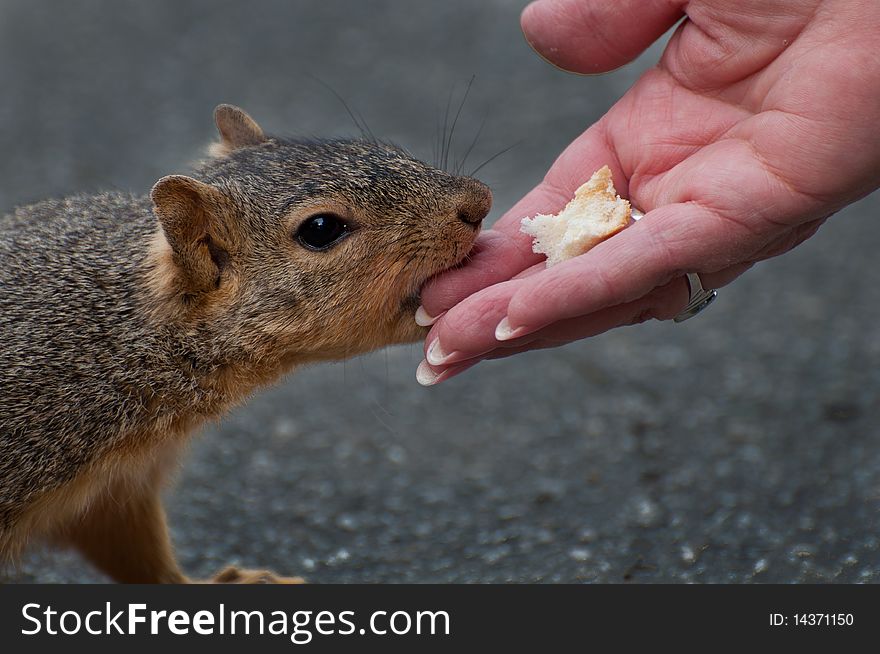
<point x="740" y="446"/>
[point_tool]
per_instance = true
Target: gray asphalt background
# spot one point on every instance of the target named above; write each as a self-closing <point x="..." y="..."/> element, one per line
<point x="738" y="447"/>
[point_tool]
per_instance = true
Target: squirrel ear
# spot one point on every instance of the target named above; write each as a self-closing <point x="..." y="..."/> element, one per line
<point x="191" y="214"/>
<point x="237" y="129"/>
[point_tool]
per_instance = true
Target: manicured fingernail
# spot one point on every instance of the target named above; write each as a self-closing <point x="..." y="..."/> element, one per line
<point x="424" y="319"/>
<point x="435" y="355"/>
<point x="425" y="376"/>
<point x="504" y="332"/>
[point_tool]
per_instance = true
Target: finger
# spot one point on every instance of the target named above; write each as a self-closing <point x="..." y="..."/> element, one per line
<point x="562" y="333"/>
<point x="504" y="251"/>
<point x="427" y="376"/>
<point x="497" y="256"/>
<point x="663" y="303"/>
<point x="456" y="287"/>
<point x="468" y="329"/>
<point x="539" y="267"/>
<point x="474" y="326"/>
<point x="666" y="243"/>
<point x="595" y="36"/>
<point x="469" y="332"/>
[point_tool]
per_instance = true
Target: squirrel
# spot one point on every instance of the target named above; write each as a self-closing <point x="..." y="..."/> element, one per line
<point x="127" y="322"/>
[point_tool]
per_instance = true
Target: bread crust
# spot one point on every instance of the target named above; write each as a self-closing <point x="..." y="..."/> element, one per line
<point x="594" y="214"/>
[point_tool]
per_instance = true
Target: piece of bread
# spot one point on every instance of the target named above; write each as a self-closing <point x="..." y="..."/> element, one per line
<point x="595" y="213"/>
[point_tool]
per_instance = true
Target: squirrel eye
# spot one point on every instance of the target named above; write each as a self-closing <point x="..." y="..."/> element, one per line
<point x="321" y="231"/>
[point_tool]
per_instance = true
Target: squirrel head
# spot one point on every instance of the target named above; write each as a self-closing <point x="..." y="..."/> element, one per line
<point x="295" y="250"/>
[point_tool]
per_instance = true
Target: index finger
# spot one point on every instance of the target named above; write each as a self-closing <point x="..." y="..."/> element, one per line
<point x="504" y="251"/>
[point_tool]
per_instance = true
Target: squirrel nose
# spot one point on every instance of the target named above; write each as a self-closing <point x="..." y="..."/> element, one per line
<point x="475" y="203"/>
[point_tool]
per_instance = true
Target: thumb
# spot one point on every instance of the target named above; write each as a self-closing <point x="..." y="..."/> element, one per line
<point x="595" y="36"/>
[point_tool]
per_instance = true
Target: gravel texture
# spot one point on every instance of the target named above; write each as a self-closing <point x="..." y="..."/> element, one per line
<point x="738" y="447"/>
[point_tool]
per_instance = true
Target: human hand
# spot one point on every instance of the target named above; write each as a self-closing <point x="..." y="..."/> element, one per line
<point x="758" y="123"/>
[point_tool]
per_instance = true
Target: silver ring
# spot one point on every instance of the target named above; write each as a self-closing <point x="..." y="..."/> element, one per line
<point x="699" y="299"/>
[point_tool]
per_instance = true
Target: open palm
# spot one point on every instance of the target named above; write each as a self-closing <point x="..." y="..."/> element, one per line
<point x="760" y="121"/>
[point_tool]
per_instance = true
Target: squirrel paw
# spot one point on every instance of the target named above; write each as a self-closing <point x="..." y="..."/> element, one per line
<point x="232" y="575"/>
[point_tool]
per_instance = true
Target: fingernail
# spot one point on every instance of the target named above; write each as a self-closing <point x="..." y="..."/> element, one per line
<point x="435" y="355"/>
<point x="425" y="376"/>
<point x="424" y="319"/>
<point x="504" y="332"/>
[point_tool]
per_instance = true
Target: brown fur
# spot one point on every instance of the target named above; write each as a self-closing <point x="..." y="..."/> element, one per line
<point x="125" y="326"/>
